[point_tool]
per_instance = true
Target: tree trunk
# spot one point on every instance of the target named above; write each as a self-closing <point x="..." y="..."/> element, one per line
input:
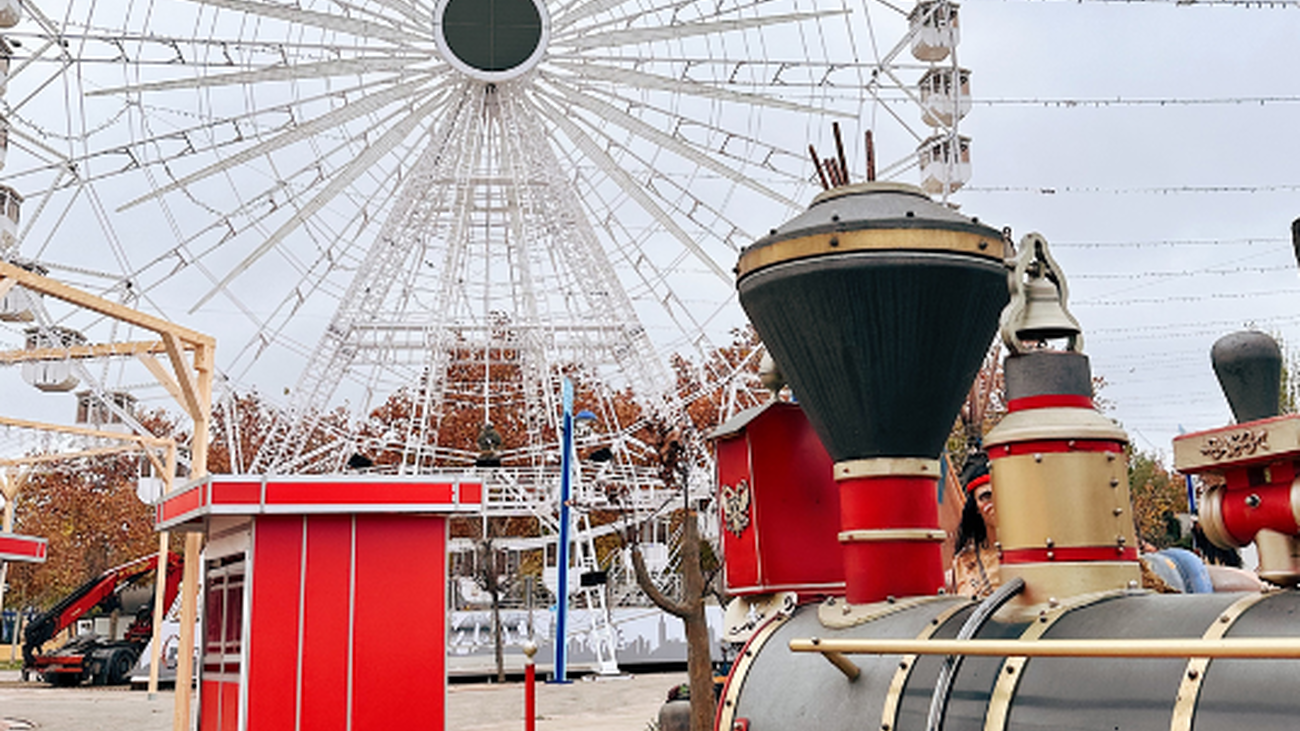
<point x="699" y="661"/>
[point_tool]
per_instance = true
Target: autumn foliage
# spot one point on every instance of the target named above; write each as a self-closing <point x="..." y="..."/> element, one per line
<point x="88" y="511"/>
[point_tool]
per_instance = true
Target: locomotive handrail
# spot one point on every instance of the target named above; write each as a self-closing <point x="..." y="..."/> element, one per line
<point x="1256" y="648"/>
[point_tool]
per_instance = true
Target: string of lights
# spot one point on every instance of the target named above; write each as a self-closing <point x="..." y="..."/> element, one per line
<point x="1107" y="302"/>
<point x="1168" y="242"/>
<point x="1257" y="4"/>
<point x="1147" y="190"/>
<point x="1188" y="273"/>
<point x="1136" y="101"/>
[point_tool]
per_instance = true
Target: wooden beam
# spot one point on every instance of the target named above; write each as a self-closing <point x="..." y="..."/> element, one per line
<point x="6" y="284"/>
<point x="163" y="377"/>
<point x="58" y="290"/>
<point x="65" y="456"/>
<point x="85" y="432"/>
<point x="83" y="352"/>
<point x="184" y="378"/>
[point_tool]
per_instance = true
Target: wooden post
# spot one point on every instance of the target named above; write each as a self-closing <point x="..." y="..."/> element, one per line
<point x="160" y="582"/>
<point x="198" y="392"/>
<point x="19" y="626"/>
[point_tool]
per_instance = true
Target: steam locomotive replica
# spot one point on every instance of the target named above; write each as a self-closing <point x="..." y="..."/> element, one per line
<point x="877" y="305"/>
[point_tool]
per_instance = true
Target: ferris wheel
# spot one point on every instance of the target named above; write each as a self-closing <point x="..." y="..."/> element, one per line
<point x="435" y="203"/>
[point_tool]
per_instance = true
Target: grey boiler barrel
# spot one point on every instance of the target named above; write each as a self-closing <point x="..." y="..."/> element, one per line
<point x="773" y="688"/>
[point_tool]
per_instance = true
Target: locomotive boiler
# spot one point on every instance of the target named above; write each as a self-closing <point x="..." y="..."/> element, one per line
<point x="877" y="304"/>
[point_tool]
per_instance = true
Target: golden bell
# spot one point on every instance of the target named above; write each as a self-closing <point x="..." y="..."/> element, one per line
<point x="1045" y="317"/>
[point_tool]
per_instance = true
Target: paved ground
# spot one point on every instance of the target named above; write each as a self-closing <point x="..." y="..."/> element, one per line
<point x="627" y="703"/>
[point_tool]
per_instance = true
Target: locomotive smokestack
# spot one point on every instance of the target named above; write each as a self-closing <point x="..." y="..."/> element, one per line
<point x="878" y="305"/>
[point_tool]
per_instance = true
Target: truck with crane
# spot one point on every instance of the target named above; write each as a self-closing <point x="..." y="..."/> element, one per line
<point x="90" y="657"/>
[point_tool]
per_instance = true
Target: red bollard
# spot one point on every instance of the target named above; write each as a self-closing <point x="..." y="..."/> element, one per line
<point x="530" y="687"/>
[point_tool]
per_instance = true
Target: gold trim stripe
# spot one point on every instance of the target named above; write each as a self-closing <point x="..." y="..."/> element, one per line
<point x="892" y="534"/>
<point x="871" y="239"/>
<point x="889" y="714"/>
<point x="1189" y="691"/>
<point x="886" y="467"/>
<point x="999" y="707"/>
<point x="740" y="670"/>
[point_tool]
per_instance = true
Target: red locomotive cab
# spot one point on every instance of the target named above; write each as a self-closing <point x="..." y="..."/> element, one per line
<point x="779" y="505"/>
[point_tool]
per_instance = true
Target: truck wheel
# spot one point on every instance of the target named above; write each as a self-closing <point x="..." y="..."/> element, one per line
<point x="119" y="666"/>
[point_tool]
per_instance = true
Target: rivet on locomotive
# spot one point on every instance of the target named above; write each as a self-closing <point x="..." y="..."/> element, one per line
<point x="877" y="305"/>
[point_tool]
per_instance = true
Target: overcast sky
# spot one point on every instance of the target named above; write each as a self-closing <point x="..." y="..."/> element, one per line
<point x="1171" y="217"/>
<point x="1153" y="144"/>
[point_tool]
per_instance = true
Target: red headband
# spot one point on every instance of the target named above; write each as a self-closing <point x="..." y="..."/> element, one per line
<point x="975" y="483"/>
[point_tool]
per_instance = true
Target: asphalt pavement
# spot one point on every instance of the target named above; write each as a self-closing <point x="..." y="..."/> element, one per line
<point x="621" y="703"/>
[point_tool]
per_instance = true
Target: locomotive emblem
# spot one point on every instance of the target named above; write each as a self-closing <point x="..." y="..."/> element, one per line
<point x="1232" y="446"/>
<point x="735" y="507"/>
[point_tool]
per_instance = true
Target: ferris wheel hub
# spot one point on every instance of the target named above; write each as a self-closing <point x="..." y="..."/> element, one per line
<point x="492" y="41"/>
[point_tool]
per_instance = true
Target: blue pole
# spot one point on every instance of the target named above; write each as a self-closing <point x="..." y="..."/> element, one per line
<point x="562" y="557"/>
<point x="1191" y="488"/>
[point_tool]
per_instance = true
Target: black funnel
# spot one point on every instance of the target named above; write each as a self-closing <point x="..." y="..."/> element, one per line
<point x="1249" y="367"/>
<point x="878" y="304"/>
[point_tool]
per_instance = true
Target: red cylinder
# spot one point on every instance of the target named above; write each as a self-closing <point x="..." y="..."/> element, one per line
<point x="1247" y="511"/>
<point x="891" y="537"/>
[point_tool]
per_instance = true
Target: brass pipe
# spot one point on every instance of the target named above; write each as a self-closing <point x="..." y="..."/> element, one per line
<point x="1254" y="648"/>
<point x="844" y="665"/>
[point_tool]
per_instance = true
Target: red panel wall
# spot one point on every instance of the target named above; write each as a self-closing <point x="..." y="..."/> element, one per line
<point x="210" y="710"/>
<point x="792" y="542"/>
<point x="273" y="635"/>
<point x="379" y="580"/>
<point x="399" y="629"/>
<point x="326" y="596"/>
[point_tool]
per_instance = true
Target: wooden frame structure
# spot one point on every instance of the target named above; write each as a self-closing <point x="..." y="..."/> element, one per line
<point x="189" y="381"/>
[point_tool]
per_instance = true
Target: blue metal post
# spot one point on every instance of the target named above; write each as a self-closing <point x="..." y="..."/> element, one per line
<point x="562" y="557"/>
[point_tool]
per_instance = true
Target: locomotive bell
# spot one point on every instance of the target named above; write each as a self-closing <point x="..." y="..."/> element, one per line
<point x="1037" y="310"/>
<point x="1045" y="317"/>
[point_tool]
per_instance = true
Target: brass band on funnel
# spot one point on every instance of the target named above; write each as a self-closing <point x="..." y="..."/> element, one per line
<point x="886" y="467"/>
<point x="871" y="239"/>
<point x="892" y="534"/>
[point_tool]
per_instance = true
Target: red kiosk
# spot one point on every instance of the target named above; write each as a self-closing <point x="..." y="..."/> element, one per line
<point x="29" y="549"/>
<point x="324" y="598"/>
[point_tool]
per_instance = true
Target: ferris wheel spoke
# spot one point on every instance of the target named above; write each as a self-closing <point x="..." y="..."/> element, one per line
<point x="316" y="19"/>
<point x="334" y="184"/>
<point x="417" y="11"/>
<point x="582" y="40"/>
<point x="581" y="11"/>
<point x="353" y="109"/>
<point x="631" y="187"/>
<point x="293" y="72"/>
<point x="652" y="134"/>
<point x="658" y="82"/>
<point x="412" y="22"/>
<point x="758" y="152"/>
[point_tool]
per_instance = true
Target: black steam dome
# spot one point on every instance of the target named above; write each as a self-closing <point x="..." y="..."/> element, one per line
<point x="878" y="304"/>
<point x="1249" y="367"/>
